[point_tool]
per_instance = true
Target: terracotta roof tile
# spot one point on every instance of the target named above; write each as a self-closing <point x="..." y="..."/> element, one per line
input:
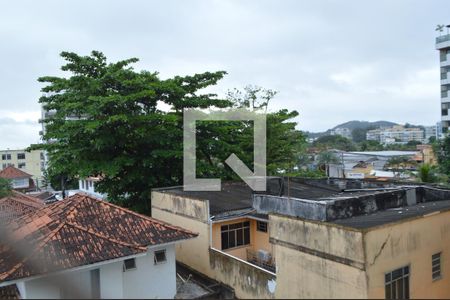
<point x="12" y="173"/>
<point x="17" y="205"/>
<point x="80" y="230"/>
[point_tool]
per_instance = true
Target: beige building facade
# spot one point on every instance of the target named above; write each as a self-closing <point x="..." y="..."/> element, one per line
<point x="30" y="162"/>
<point x="365" y="240"/>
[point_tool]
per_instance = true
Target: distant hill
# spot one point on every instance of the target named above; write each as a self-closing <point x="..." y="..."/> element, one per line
<point x="352" y="125"/>
<point x="364" y="124"/>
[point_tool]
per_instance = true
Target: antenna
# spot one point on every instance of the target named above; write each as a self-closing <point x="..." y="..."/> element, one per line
<point x="440" y="28"/>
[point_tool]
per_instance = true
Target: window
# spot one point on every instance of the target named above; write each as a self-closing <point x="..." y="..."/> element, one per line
<point x="82" y="184"/>
<point x="261" y="226"/>
<point x="6" y="156"/>
<point x="21" y="165"/>
<point x="436" y="266"/>
<point x="160" y="257"/>
<point x="20" y="155"/>
<point x="235" y="235"/>
<point x="129" y="264"/>
<point x="397" y="284"/>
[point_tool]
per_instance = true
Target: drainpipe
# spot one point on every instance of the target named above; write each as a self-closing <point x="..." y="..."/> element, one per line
<point x="210" y="224"/>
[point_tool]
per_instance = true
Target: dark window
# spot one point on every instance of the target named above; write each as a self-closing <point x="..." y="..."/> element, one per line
<point x="20" y="155"/>
<point x="436" y="266"/>
<point x="160" y="257"/>
<point x="6" y="156"/>
<point x="397" y="284"/>
<point x="21" y="165"/>
<point x="235" y="235"/>
<point x="261" y="226"/>
<point x="129" y="264"/>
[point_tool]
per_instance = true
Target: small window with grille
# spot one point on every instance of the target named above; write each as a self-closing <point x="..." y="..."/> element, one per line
<point x="436" y="266"/>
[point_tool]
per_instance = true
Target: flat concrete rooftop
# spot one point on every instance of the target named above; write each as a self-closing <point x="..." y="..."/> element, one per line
<point x="394" y="214"/>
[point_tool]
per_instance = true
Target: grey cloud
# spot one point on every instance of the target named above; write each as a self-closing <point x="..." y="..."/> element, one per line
<point x="296" y="47"/>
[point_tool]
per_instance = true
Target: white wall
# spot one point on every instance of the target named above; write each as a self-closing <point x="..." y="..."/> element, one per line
<point x="146" y="281"/>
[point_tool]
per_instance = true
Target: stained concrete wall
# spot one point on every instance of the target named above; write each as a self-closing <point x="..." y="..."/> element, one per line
<point x="315" y="260"/>
<point x="190" y="214"/>
<point x="196" y="253"/>
<point x="304" y="208"/>
<point x="248" y="281"/>
<point x="410" y="243"/>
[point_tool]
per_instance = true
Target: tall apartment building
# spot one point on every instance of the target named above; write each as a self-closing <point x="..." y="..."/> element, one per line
<point x="29" y="162"/>
<point x="443" y="46"/>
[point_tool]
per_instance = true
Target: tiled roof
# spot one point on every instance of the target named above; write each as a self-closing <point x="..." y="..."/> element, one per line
<point x="9" y="292"/>
<point x="16" y="205"/>
<point x="78" y="231"/>
<point x="12" y="173"/>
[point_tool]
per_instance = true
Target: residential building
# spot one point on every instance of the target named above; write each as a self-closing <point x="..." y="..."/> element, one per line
<point x="430" y="131"/>
<point x="443" y="46"/>
<point x="20" y="181"/>
<point x="332" y="238"/>
<point x="345" y="132"/>
<point x="88" y="186"/>
<point x="397" y="134"/>
<point x="83" y="247"/>
<point x="30" y="162"/>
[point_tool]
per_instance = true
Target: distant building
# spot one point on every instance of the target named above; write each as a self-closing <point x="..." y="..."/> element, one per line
<point x="20" y="180"/>
<point x="88" y="186"/>
<point x="430" y="131"/>
<point x="30" y="162"/>
<point x="345" y="132"/>
<point x="398" y="134"/>
<point x="443" y="46"/>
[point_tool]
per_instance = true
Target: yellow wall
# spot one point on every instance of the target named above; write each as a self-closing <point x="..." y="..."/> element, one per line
<point x="194" y="252"/>
<point x="309" y="259"/>
<point x="258" y="240"/>
<point x="32" y="162"/>
<point x="410" y="243"/>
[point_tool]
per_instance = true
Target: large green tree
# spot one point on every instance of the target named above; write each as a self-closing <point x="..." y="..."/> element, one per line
<point x="107" y="122"/>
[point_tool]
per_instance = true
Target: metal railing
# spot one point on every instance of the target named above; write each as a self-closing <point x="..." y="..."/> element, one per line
<point x="261" y="259"/>
<point x="443" y="38"/>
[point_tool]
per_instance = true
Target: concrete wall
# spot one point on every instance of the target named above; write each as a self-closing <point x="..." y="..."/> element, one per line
<point x="196" y="253"/>
<point x="149" y="280"/>
<point x="315" y="260"/>
<point x="169" y="208"/>
<point x="248" y="281"/>
<point x="410" y="243"/>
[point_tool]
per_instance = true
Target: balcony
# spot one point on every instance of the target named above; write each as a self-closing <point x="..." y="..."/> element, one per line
<point x="261" y="259"/>
<point x="443" y="41"/>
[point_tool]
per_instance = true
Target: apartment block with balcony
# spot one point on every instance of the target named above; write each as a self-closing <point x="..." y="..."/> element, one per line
<point x="443" y="46"/>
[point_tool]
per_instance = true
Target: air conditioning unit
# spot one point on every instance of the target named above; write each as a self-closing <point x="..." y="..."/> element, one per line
<point x="264" y="255"/>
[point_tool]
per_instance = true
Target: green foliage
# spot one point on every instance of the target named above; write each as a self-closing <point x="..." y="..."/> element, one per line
<point x="398" y="164"/>
<point x="370" y="146"/>
<point x="334" y="142"/>
<point x="107" y="123"/>
<point x="359" y="135"/>
<point x="442" y="149"/>
<point x="426" y="173"/>
<point x="5" y="187"/>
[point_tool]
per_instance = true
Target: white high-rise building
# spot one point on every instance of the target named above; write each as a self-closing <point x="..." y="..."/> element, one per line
<point x="443" y="45"/>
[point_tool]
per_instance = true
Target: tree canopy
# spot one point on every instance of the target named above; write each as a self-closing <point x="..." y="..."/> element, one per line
<point x="107" y="121"/>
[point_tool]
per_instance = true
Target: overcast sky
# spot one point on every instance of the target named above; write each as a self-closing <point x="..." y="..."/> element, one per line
<point x="333" y="61"/>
